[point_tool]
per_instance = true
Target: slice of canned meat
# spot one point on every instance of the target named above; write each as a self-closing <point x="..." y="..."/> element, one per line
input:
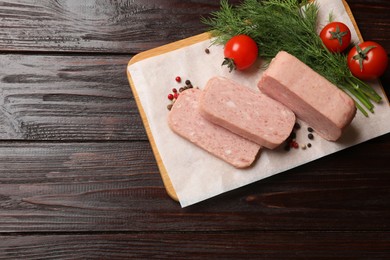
<point x="246" y="112"/>
<point x="314" y="100"/>
<point x="185" y="120"/>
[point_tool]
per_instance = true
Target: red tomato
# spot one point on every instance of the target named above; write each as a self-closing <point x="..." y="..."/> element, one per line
<point x="336" y="36"/>
<point x="367" y="60"/>
<point x="240" y="52"/>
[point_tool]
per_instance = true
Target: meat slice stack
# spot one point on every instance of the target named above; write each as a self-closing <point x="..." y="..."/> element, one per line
<point x="233" y="122"/>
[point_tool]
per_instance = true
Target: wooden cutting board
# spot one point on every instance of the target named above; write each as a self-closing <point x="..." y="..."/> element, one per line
<point x="165" y="49"/>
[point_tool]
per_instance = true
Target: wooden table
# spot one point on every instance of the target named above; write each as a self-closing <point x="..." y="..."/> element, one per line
<point x="78" y="178"/>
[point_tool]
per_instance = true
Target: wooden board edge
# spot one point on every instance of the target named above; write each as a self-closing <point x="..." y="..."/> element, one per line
<point x="349" y="12"/>
<point x="148" y="54"/>
<point x="170" y="47"/>
<point x="163" y="172"/>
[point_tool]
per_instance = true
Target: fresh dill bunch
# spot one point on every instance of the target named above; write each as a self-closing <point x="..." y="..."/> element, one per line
<point x="289" y="25"/>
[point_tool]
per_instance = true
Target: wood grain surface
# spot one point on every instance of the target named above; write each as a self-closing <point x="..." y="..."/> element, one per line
<point x="78" y="178"/>
<point x="230" y="245"/>
<point x="99" y="26"/>
<point x="56" y="97"/>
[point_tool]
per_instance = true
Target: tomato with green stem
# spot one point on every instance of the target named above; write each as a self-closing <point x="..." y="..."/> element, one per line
<point x="336" y="36"/>
<point x="240" y="52"/>
<point x="367" y="60"/>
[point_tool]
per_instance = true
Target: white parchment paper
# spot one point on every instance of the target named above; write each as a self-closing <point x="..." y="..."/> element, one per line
<point x="195" y="174"/>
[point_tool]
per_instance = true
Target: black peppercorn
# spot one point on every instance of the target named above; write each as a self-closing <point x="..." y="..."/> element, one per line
<point x="310" y="136"/>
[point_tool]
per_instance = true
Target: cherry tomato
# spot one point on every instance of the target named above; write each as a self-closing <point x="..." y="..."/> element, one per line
<point x="240" y="52"/>
<point x="336" y="36"/>
<point x="367" y="60"/>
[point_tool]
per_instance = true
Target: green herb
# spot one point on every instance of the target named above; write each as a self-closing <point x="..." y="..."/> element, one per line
<point x="289" y="25"/>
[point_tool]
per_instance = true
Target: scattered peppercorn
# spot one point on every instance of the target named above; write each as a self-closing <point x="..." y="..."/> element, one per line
<point x="294" y="144"/>
<point x="176" y="92"/>
<point x="291" y="141"/>
<point x="207" y="51"/>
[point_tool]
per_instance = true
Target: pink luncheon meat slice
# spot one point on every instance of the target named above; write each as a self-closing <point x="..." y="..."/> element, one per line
<point x="185" y="120"/>
<point x="327" y="109"/>
<point x="246" y="112"/>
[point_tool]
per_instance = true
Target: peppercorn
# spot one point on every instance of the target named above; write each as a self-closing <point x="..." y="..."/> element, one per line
<point x="310" y="136"/>
<point x="176" y="95"/>
<point x="207" y="50"/>
<point x="297" y="126"/>
<point x="188" y="82"/>
<point x="309" y="145"/>
<point x="310" y="129"/>
<point x="174" y="90"/>
<point x="170" y="96"/>
<point x="178" y="79"/>
<point x="181" y="90"/>
<point x="294" y="144"/>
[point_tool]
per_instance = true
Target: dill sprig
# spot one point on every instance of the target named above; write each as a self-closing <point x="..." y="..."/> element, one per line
<point x="289" y="25"/>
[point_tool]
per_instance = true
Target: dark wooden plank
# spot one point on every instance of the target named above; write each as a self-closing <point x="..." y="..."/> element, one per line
<point x="373" y="20"/>
<point x="245" y="245"/>
<point x="117" y="187"/>
<point x="98" y="26"/>
<point x="132" y="26"/>
<point x="67" y="98"/>
<point x="78" y="186"/>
